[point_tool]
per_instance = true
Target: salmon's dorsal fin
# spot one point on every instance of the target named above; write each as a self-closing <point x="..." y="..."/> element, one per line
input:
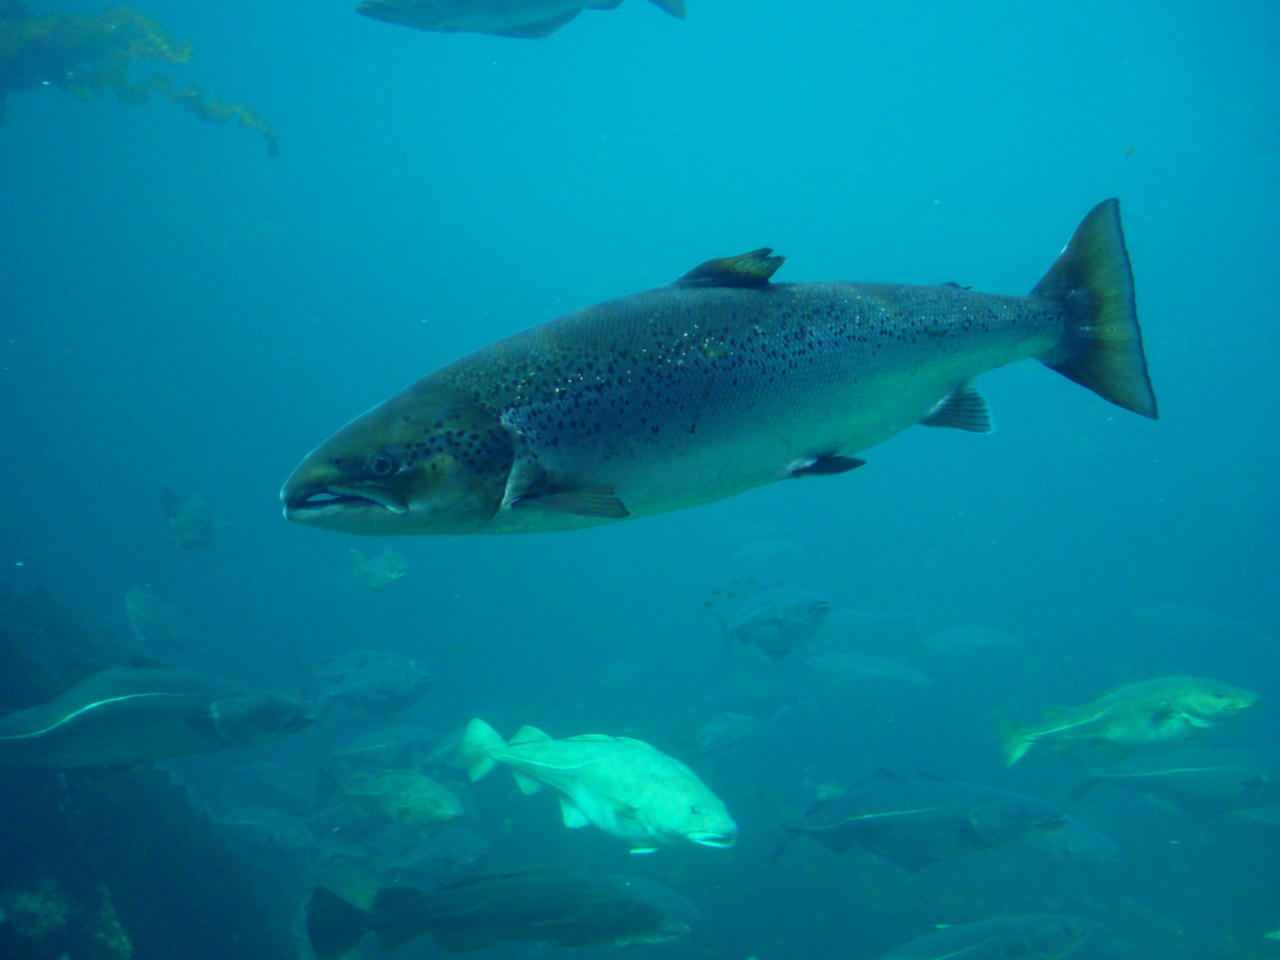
<point x="528" y="734"/>
<point x="751" y="269"/>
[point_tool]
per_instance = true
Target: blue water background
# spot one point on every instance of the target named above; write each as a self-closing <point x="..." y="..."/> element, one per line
<point x="176" y="309"/>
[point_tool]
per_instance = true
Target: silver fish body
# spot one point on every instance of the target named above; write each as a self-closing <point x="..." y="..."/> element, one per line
<point x="705" y="388"/>
<point x="527" y="19"/>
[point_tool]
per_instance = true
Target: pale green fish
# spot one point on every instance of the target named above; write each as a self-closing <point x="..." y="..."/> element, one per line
<point x="406" y="796"/>
<point x="528" y="19"/>
<point x="623" y="786"/>
<point x="387" y="567"/>
<point x="1162" y="712"/>
<point x="712" y="385"/>
<point x="125" y="715"/>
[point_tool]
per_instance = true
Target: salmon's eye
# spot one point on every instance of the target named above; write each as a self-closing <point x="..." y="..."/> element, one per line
<point x="381" y="464"/>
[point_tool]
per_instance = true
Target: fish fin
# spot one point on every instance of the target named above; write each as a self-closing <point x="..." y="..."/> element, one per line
<point x="1015" y="742"/>
<point x="641" y="851"/>
<point x="1093" y="283"/>
<point x="528" y="734"/>
<point x="673" y="7"/>
<point x="586" y="502"/>
<point x="538" y="29"/>
<point x="825" y="464"/>
<point x="964" y="408"/>
<point x="479" y="742"/>
<point x="334" y="926"/>
<point x="528" y="786"/>
<point x="572" y="815"/>
<point x="751" y="269"/>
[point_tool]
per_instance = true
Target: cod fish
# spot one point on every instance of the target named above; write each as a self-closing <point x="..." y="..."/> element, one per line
<point x="405" y="796"/>
<point x="378" y="682"/>
<point x="528" y="19"/>
<point x="126" y="715"/>
<point x="708" y="387"/>
<point x="191" y="519"/>
<point x="1211" y="781"/>
<point x="1027" y="936"/>
<point x="914" y="822"/>
<point x="1153" y="713"/>
<point x="373" y="572"/>
<point x="623" y="786"/>
<point x="533" y="906"/>
<point x="777" y="619"/>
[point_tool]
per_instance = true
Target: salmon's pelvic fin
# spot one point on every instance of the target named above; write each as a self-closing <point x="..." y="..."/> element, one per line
<point x="1102" y="348"/>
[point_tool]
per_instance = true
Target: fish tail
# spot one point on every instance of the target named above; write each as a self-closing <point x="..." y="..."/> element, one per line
<point x="479" y="743"/>
<point x="1102" y="346"/>
<point x="1016" y="742"/>
<point x="334" y="926"/>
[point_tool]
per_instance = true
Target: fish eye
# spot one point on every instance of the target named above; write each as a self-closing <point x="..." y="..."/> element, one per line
<point x="693" y="808"/>
<point x="381" y="464"/>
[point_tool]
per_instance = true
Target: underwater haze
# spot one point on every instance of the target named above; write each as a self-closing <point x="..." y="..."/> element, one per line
<point x="179" y="311"/>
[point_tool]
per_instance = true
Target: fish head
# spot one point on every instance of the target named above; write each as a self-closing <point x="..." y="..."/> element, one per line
<point x="1008" y="817"/>
<point x="1206" y="702"/>
<point x="245" y="720"/>
<point x="428" y="460"/>
<point x="706" y="822"/>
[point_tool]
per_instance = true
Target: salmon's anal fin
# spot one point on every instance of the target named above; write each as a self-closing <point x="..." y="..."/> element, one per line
<point x="824" y="465"/>
<point x="962" y="409"/>
<point x="1102" y="346"/>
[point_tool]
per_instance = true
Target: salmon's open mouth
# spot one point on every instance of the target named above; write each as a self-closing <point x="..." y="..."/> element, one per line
<point x="317" y="503"/>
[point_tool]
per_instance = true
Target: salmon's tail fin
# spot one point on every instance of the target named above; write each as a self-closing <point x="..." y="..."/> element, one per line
<point x="673" y="7"/>
<point x="1102" y="347"/>
<point x="479" y="742"/>
<point x="1016" y="742"/>
<point x="334" y="926"/>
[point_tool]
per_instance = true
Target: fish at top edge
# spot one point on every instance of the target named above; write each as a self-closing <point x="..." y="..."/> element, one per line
<point x="524" y="19"/>
<point x="710" y="386"/>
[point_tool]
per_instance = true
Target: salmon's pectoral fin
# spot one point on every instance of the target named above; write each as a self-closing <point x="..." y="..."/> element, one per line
<point x="823" y="465"/>
<point x="962" y="409"/>
<point x="572" y="814"/>
<point x="750" y="269"/>
<point x="585" y="501"/>
<point x="538" y="29"/>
